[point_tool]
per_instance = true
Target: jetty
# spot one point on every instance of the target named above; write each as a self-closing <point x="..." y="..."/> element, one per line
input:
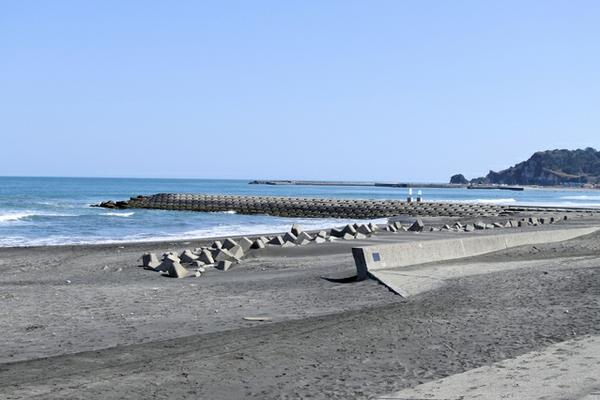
<point x="306" y="207"/>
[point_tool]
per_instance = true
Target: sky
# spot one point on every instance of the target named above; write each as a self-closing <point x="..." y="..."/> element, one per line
<point x="406" y="91"/>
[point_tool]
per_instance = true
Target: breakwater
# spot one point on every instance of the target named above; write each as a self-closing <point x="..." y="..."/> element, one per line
<point x="305" y="207"/>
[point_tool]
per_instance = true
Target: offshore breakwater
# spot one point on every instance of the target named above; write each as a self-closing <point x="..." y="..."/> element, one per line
<point x="317" y="207"/>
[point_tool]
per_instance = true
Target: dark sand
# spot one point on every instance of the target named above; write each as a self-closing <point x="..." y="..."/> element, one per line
<point x="118" y="331"/>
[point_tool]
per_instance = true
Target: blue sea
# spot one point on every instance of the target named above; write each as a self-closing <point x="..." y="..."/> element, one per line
<point x="55" y="211"/>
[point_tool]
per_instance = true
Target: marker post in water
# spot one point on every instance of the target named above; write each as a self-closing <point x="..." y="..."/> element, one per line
<point x="409" y="198"/>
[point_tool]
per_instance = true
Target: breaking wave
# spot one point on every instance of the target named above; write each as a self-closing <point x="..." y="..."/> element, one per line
<point x="116" y="214"/>
<point x="14" y="216"/>
<point x="581" y="197"/>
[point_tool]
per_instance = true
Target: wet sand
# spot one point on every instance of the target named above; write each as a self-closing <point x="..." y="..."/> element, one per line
<point x="87" y="322"/>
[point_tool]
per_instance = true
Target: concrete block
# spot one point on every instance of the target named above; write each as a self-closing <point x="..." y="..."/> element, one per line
<point x="320" y="240"/>
<point x="224" y="265"/>
<point x="225" y="255"/>
<point x="258" y="244"/>
<point x="360" y="236"/>
<point x="150" y="260"/>
<point x="216" y="244"/>
<point x="237" y="251"/>
<point x="187" y="257"/>
<point x="228" y="244"/>
<point x="446" y="227"/>
<point x="498" y="225"/>
<point x="302" y="242"/>
<point x="348" y="236"/>
<point x="277" y="241"/>
<point x="176" y="270"/>
<point x="469" y="228"/>
<point x="245" y="244"/>
<point x="197" y="264"/>
<point x="289" y="237"/>
<point x="417" y="226"/>
<point x="322" y="234"/>
<point x="373" y="227"/>
<point x="489" y="226"/>
<point x="303" y="236"/>
<point x="336" y="233"/>
<point x="364" y="229"/>
<point x="398" y="225"/>
<point x="349" y="229"/>
<point x="391" y="228"/>
<point x="206" y="257"/>
<point x="295" y="230"/>
<point x="479" y="225"/>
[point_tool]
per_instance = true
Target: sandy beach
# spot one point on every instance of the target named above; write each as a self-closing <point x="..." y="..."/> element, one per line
<point x="88" y="322"/>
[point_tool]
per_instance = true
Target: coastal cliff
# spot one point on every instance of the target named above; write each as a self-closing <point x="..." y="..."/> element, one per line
<point x="550" y="168"/>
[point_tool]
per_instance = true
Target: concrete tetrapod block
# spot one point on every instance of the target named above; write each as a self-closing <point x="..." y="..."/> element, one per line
<point x="364" y="229"/>
<point x="225" y="255"/>
<point x="224" y="265"/>
<point x="322" y="234"/>
<point x="258" y="244"/>
<point x="216" y="244"/>
<point x="206" y="257"/>
<point x="188" y="257"/>
<point x="303" y="236"/>
<point x="176" y="270"/>
<point x="336" y="233"/>
<point x="295" y="230"/>
<point x="349" y="229"/>
<point x="469" y="228"/>
<point x="229" y="244"/>
<point x="150" y="260"/>
<point x="245" y="243"/>
<point x="277" y="241"/>
<point x="417" y="226"/>
<point x="320" y="240"/>
<point x="289" y="237"/>
<point x="389" y="257"/>
<point x="165" y="265"/>
<point x="236" y="251"/>
<point x="480" y="225"/>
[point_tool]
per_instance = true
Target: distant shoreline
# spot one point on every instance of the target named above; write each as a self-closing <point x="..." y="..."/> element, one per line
<point x="409" y="185"/>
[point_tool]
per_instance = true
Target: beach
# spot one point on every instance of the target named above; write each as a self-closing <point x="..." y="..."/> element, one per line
<point x="88" y="322"/>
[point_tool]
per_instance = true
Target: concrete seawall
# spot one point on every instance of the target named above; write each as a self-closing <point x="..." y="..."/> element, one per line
<point x="306" y="207"/>
<point x="385" y="261"/>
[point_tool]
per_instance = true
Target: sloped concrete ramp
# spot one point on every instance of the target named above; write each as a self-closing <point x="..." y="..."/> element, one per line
<point x="389" y="263"/>
<point x="567" y="370"/>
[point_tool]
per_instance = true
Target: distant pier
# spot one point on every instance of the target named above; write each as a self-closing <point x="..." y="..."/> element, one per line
<point x="284" y="182"/>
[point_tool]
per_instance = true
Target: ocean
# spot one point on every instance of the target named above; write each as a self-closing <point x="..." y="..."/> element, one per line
<point x="55" y="211"/>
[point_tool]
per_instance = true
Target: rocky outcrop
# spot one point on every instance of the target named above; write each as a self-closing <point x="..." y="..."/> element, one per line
<point x="550" y="168"/>
<point x="458" y="179"/>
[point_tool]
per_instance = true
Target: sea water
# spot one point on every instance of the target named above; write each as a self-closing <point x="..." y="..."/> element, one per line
<point x="54" y="211"/>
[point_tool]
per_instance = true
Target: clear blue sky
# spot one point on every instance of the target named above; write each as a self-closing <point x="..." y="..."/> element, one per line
<point x="369" y="90"/>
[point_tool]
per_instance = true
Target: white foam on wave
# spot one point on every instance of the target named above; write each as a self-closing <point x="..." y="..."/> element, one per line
<point x="14" y="216"/>
<point x="481" y="201"/>
<point x="18" y="216"/>
<point x="116" y="214"/>
<point x="581" y="197"/>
